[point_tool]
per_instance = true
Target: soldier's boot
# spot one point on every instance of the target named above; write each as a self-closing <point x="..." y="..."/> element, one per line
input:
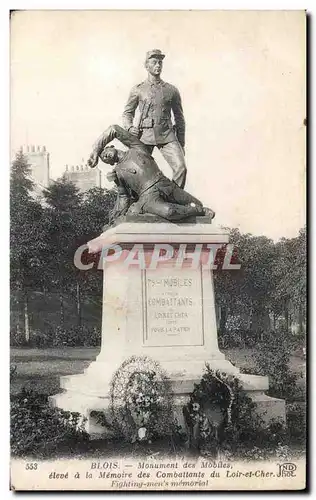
<point x="174" y="212"/>
<point x="209" y="212"/>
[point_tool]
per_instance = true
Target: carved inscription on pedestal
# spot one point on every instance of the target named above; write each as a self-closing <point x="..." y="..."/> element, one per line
<point x="173" y="308"/>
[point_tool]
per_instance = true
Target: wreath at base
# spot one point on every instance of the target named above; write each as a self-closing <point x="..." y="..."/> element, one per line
<point x="141" y="400"/>
<point x="219" y="413"/>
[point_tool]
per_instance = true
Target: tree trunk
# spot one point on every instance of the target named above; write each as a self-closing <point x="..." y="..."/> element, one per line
<point x="274" y="321"/>
<point x="19" y="312"/>
<point x="300" y="320"/>
<point x="78" y="304"/>
<point x="61" y="309"/>
<point x="286" y="316"/>
<point x="266" y="323"/>
<point x="223" y="320"/>
<point x="26" y="319"/>
<point x="260" y="322"/>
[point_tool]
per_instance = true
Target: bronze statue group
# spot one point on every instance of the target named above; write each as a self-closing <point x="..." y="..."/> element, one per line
<point x="142" y="187"/>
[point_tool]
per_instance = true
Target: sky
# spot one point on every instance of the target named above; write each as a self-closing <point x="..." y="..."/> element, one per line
<point x="241" y="76"/>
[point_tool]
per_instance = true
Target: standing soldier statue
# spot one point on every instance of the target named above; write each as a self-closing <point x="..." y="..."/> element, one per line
<point x="155" y="100"/>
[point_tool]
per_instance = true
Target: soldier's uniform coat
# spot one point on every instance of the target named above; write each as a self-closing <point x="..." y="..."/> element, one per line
<point x="156" y="101"/>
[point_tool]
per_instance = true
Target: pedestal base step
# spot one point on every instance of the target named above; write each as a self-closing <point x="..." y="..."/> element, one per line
<point x="88" y="392"/>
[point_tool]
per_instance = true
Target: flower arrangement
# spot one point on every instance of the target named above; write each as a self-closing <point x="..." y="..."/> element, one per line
<point x="218" y="412"/>
<point x="222" y="420"/>
<point x="141" y="400"/>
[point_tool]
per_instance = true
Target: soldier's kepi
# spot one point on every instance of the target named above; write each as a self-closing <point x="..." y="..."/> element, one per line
<point x="142" y="187"/>
<point x="156" y="101"/>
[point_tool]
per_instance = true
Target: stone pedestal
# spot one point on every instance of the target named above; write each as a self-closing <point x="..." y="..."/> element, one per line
<point x="166" y="313"/>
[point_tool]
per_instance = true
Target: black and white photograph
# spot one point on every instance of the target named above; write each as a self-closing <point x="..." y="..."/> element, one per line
<point x="158" y="250"/>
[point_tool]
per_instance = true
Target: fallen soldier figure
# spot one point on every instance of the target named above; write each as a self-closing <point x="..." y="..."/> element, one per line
<point x="142" y="187"/>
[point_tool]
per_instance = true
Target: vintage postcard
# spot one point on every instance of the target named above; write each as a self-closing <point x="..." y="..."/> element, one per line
<point x="158" y="250"/>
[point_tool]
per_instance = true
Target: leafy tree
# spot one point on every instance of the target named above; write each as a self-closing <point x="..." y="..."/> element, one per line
<point x="74" y="219"/>
<point x="300" y="277"/>
<point x="45" y="237"/>
<point x="27" y="242"/>
<point x="64" y="230"/>
<point x="289" y="272"/>
<point x="96" y="207"/>
<point x="244" y="294"/>
<point x="95" y="210"/>
<point x="270" y="283"/>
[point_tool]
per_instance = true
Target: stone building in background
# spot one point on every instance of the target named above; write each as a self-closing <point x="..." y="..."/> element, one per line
<point x="39" y="161"/>
<point x="83" y="177"/>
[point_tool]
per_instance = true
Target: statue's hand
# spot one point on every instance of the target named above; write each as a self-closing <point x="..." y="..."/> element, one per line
<point x="134" y="131"/>
<point x="93" y="160"/>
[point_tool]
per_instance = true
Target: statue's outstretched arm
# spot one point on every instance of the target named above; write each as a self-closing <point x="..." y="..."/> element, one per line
<point x="116" y="132"/>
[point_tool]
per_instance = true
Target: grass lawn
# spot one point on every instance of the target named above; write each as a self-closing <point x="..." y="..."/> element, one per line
<point x="40" y="369"/>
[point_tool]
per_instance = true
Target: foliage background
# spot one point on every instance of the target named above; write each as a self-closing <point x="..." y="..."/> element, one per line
<point x="52" y="303"/>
